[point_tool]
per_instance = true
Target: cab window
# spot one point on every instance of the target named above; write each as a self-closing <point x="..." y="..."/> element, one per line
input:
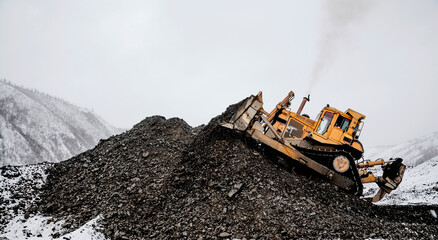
<point x="358" y="130"/>
<point x="325" y="123"/>
<point x="342" y="123"/>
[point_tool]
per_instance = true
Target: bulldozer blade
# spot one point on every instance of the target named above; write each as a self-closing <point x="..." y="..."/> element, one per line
<point x="243" y="117"/>
<point x="392" y="175"/>
<point x="391" y="179"/>
<point x="379" y="195"/>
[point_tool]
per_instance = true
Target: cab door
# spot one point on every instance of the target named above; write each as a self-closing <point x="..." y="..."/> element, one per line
<point x="340" y="128"/>
<point x="325" y="123"/>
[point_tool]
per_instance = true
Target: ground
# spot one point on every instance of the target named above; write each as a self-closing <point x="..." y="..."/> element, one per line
<point x="165" y="180"/>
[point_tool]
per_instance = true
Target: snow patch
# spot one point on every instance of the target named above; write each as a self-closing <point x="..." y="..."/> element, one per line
<point x="20" y="187"/>
<point x="39" y="227"/>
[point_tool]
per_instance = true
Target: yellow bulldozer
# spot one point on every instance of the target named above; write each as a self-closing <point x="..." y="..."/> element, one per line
<point x="329" y="145"/>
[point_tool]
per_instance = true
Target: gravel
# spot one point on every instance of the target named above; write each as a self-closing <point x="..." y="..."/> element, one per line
<point x="164" y="179"/>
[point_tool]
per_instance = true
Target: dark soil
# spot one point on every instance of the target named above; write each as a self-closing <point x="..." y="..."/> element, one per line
<point x="166" y="180"/>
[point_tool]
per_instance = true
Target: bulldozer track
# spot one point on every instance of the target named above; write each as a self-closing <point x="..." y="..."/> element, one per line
<point x="325" y="158"/>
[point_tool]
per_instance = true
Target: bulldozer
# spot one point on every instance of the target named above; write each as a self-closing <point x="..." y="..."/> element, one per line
<point x="328" y="145"/>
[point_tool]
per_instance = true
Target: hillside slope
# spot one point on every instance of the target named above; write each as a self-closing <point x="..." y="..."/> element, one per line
<point x="419" y="186"/>
<point x="420" y="181"/>
<point x="36" y="127"/>
<point x="414" y="152"/>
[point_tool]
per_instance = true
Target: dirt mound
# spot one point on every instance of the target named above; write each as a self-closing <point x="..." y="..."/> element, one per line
<point x="120" y="176"/>
<point x="163" y="179"/>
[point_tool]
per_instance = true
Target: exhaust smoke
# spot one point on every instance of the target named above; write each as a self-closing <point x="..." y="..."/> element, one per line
<point x="339" y="17"/>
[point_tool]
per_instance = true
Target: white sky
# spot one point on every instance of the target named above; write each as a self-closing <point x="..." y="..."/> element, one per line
<point x="131" y="59"/>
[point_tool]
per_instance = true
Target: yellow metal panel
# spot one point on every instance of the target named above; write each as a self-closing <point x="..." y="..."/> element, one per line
<point x="336" y="134"/>
<point x="370" y="178"/>
<point x="357" y="146"/>
<point x="355" y="114"/>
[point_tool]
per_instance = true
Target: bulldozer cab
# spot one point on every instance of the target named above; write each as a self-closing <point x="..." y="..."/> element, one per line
<point x="331" y="126"/>
<point x="336" y="127"/>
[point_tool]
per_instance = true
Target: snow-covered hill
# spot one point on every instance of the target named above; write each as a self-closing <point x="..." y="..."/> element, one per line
<point x="420" y="181"/>
<point x="414" y="152"/>
<point x="36" y="127"/>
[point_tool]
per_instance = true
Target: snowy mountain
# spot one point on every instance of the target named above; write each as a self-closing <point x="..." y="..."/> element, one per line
<point x="36" y="127"/>
<point x="420" y="181"/>
<point x="414" y="152"/>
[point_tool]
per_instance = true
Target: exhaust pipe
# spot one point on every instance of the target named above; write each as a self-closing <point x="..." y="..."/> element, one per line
<point x="305" y="99"/>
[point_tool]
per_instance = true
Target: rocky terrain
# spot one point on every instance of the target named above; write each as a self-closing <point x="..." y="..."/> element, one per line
<point x="166" y="180"/>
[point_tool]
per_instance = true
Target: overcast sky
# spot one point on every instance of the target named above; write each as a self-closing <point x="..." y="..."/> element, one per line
<point x="131" y="59"/>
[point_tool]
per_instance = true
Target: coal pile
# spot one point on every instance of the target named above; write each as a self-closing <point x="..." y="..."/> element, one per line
<point x="166" y="180"/>
<point x="119" y="179"/>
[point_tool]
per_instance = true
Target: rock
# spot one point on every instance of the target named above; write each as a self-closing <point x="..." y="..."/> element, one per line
<point x="235" y="190"/>
<point x="224" y="235"/>
<point x="136" y="179"/>
<point x="10" y="172"/>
